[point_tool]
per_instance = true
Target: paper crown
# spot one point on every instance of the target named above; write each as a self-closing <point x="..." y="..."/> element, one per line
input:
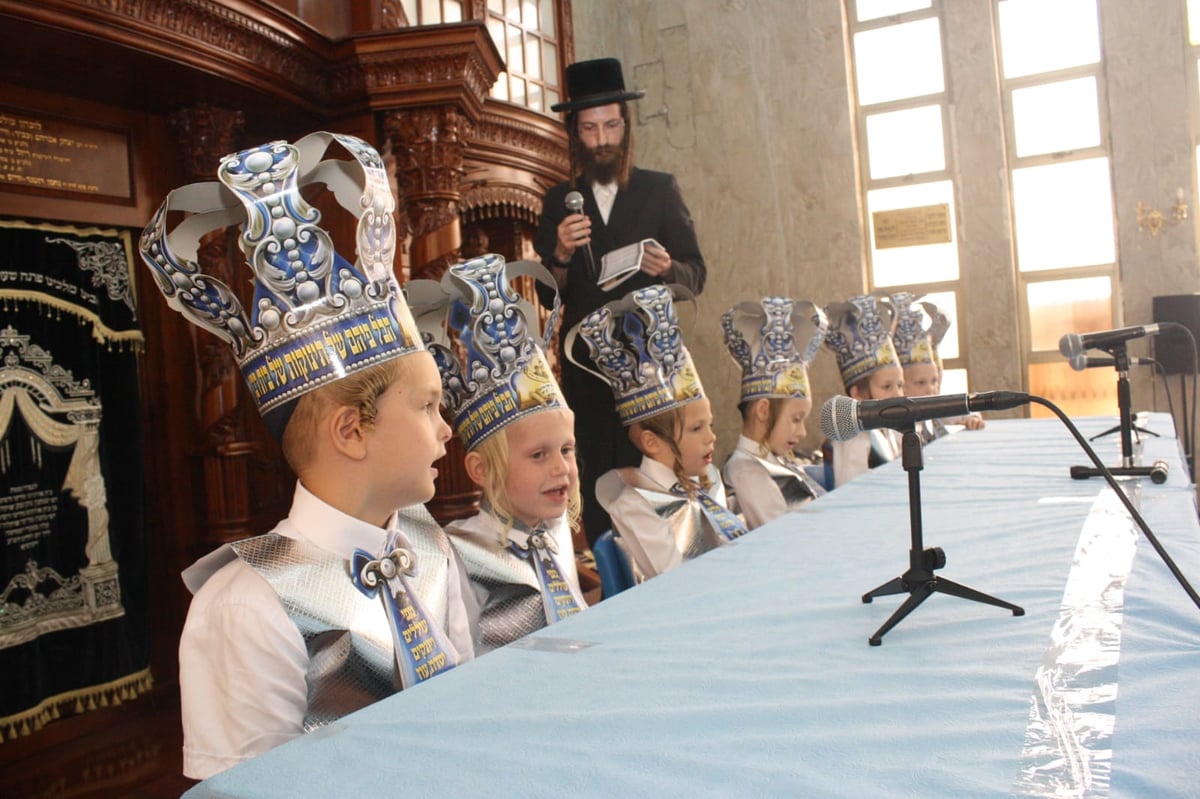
<point x="773" y="341"/>
<point x="920" y="327"/>
<point x="316" y="317"/>
<point x="497" y="372"/>
<point x="636" y="347"/>
<point x="594" y="83"/>
<point x="860" y="335"/>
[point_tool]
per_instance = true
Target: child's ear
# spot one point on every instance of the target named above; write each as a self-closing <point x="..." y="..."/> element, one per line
<point x="345" y="431"/>
<point x="858" y="390"/>
<point x="646" y="442"/>
<point x="760" y="410"/>
<point x="476" y="468"/>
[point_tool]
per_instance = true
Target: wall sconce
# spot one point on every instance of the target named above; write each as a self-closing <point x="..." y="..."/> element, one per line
<point x="1153" y="219"/>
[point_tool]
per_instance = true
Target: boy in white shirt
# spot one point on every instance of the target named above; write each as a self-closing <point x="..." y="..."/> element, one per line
<point x="773" y="342"/>
<point x="860" y="337"/>
<point x="348" y="599"/>
<point x="520" y="441"/>
<point x="672" y="507"/>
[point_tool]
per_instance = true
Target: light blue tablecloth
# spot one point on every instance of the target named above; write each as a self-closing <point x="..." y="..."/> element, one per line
<point x="747" y="672"/>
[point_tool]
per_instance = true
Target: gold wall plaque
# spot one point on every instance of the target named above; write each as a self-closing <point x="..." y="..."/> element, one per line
<point x="60" y="156"/>
<point x="908" y="227"/>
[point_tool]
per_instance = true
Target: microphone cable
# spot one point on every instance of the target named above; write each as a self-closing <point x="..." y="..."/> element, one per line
<point x="1121" y="495"/>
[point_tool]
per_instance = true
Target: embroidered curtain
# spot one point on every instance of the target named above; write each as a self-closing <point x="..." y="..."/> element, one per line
<point x="73" y="572"/>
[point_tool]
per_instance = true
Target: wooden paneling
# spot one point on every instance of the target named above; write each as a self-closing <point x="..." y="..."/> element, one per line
<point x="135" y="67"/>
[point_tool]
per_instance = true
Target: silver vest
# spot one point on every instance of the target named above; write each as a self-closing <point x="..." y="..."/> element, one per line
<point x="351" y="660"/>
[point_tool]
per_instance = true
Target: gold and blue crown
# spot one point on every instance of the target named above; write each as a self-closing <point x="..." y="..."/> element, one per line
<point x="773" y="341"/>
<point x="497" y="371"/>
<point x="316" y="317"/>
<point x="920" y="327"/>
<point x="860" y="336"/>
<point x="636" y="347"/>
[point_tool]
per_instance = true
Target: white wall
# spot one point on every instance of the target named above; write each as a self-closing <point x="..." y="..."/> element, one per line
<point x="748" y="104"/>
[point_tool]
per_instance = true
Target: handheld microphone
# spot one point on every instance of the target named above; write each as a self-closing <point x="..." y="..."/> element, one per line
<point x="575" y="205"/>
<point x="1075" y="343"/>
<point x="1080" y="362"/>
<point x="842" y="418"/>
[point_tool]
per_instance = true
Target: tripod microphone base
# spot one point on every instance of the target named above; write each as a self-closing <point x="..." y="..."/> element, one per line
<point x="920" y="584"/>
<point x="1157" y="473"/>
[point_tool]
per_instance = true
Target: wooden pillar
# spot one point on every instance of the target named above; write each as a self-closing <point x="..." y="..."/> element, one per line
<point x="428" y="144"/>
<point x="205" y="134"/>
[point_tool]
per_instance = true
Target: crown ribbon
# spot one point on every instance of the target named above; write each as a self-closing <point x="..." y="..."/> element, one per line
<point x="860" y="335"/>
<point x="497" y="371"/>
<point x="920" y="327"/>
<point x="315" y="316"/>
<point x="645" y="364"/>
<point x="773" y="341"/>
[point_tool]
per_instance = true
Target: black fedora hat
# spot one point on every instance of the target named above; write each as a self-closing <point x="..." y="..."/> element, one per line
<point x="593" y="83"/>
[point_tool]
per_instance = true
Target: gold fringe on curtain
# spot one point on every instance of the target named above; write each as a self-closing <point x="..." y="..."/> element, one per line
<point x="79" y="701"/>
<point x="133" y="339"/>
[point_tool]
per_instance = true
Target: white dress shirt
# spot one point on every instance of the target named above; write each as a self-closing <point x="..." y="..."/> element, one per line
<point x="243" y="662"/>
<point x="852" y="458"/>
<point x="485" y="530"/>
<point x="645" y="535"/>
<point x="755" y="492"/>
<point x="606" y="195"/>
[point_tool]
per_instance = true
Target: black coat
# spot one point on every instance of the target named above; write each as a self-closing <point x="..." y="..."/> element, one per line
<point x="651" y="206"/>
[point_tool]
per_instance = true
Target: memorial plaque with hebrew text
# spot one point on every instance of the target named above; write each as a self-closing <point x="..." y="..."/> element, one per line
<point x="62" y="156"/>
<point x="908" y="227"/>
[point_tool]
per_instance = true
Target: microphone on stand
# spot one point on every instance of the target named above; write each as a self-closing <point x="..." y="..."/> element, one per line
<point x="1075" y="343"/>
<point x="575" y="206"/>
<point x="1080" y="362"/>
<point x="842" y="418"/>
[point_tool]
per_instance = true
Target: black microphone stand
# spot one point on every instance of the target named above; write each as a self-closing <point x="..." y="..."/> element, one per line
<point x="920" y="581"/>
<point x="1158" y="472"/>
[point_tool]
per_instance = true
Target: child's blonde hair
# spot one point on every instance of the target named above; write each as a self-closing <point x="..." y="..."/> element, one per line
<point x="667" y="427"/>
<point x="493" y="452"/>
<point x="360" y="390"/>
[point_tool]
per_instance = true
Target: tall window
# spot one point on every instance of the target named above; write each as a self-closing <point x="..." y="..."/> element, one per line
<point x="1059" y="165"/>
<point x="907" y="164"/>
<point x="1193" y="26"/>
<point x="525" y="33"/>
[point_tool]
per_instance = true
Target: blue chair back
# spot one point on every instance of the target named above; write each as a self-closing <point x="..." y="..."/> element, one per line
<point x="615" y="572"/>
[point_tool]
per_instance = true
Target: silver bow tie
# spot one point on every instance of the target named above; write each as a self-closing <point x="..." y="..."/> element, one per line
<point x="540" y="539"/>
<point x="385" y="567"/>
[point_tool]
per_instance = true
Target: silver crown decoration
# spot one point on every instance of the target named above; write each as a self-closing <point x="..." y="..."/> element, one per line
<point x="860" y="335"/>
<point x="316" y="317"/>
<point x="920" y="327"/>
<point x="636" y="347"/>
<point x="497" y="371"/>
<point x="773" y="341"/>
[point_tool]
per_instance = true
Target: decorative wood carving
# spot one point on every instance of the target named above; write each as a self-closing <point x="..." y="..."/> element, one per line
<point x="428" y="145"/>
<point x="419" y="93"/>
<point x="205" y="134"/>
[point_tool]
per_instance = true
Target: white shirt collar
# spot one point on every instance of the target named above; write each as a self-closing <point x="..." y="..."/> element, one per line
<point x="658" y="472"/>
<point x="332" y="530"/>
<point x="606" y="195"/>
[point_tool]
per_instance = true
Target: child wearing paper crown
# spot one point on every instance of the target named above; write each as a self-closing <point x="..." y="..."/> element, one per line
<point x="860" y="337"/>
<point x="672" y="507"/>
<point x="773" y="342"/>
<point x="920" y="328"/>
<point x="520" y="441"/>
<point x="348" y="599"/>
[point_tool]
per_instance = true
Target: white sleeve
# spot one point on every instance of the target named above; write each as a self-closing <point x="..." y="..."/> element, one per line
<point x="242" y="673"/>
<point x="462" y="609"/>
<point x="850" y="458"/>
<point x="646" y="536"/>
<point x="758" y="497"/>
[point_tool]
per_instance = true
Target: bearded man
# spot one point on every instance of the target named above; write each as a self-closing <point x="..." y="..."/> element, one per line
<point x="622" y="205"/>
